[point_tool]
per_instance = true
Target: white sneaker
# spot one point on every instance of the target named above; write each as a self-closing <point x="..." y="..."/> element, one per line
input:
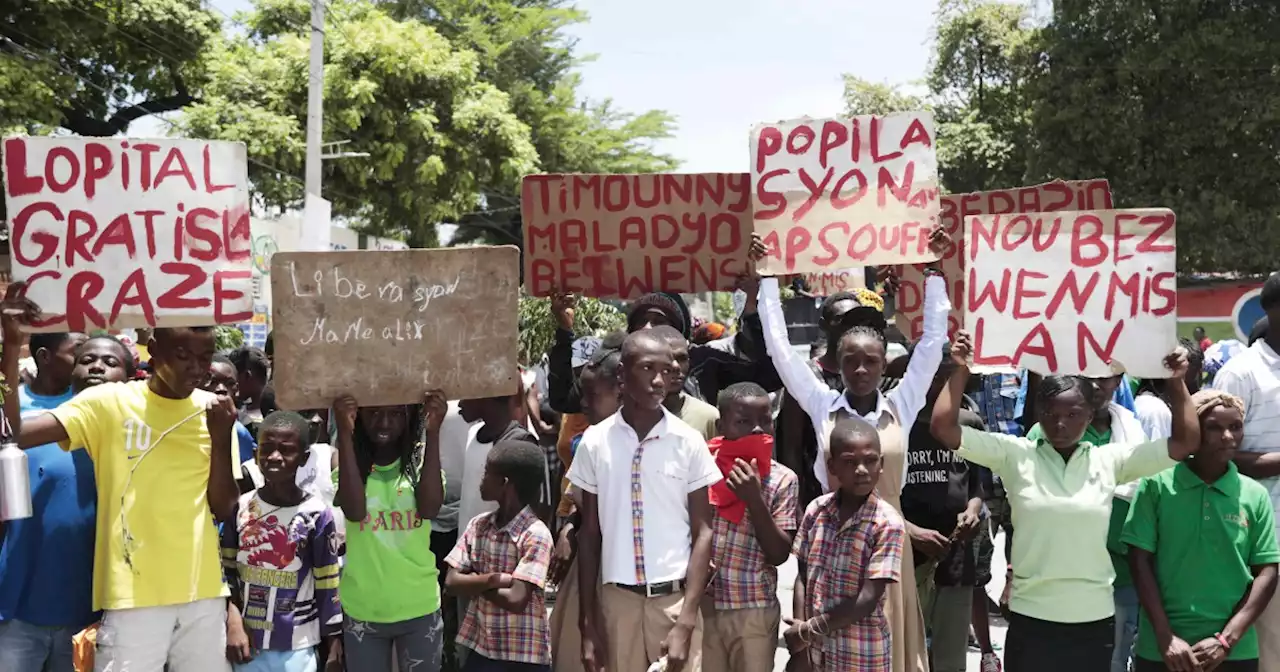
<point x="991" y="663"/>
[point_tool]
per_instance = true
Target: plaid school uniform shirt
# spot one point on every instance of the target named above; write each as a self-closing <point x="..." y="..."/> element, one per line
<point x="744" y="580"/>
<point x="521" y="548"/>
<point x="837" y="559"/>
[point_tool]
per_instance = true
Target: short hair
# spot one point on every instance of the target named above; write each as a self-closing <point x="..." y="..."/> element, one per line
<point x="670" y="335"/>
<point x="853" y="427"/>
<point x="222" y="358"/>
<point x="864" y="332"/>
<point x="126" y="355"/>
<point x="1052" y="387"/>
<point x="250" y="360"/>
<point x="1269" y="297"/>
<point x="164" y="333"/>
<point x="829" y="303"/>
<point x="635" y="339"/>
<point x="288" y="420"/>
<point x="523" y="463"/>
<point x="1259" y="330"/>
<point x="50" y="341"/>
<point x="1195" y="356"/>
<point x="736" y="391"/>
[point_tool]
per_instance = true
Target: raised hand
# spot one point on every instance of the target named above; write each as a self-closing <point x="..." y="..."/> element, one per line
<point x="436" y="408"/>
<point x="344" y="411"/>
<point x="962" y="348"/>
<point x="562" y="308"/>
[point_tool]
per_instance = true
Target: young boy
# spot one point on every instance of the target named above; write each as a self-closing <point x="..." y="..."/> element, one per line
<point x="601" y="397"/>
<point x="849" y="548"/>
<point x="755" y="519"/>
<point x="501" y="564"/>
<point x="1203" y="552"/>
<point x="224" y="381"/>
<point x="646" y="523"/>
<point x="281" y="560"/>
<point x="162" y="454"/>
<point x="695" y="412"/>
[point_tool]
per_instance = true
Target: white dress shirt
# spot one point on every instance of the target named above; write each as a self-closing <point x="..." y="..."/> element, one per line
<point x="675" y="462"/>
<point x="904" y="402"/>
<point x="1254" y="376"/>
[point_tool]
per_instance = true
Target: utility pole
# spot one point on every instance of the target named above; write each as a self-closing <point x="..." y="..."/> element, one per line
<point x="315" y="99"/>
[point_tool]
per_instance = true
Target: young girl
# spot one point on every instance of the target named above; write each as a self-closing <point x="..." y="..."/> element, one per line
<point x="860" y="355"/>
<point x="389" y="489"/>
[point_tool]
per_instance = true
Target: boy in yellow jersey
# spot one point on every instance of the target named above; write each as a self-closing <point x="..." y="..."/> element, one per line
<point x="161" y="452"/>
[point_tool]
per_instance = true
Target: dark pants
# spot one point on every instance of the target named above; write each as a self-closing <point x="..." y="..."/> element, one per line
<point x="441" y="544"/>
<point x="478" y="663"/>
<point x="1141" y="665"/>
<point x="1033" y="645"/>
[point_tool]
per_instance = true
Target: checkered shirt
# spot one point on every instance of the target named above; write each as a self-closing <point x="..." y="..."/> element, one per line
<point x="1000" y="398"/>
<point x="743" y="579"/>
<point x="837" y="560"/>
<point x="522" y="549"/>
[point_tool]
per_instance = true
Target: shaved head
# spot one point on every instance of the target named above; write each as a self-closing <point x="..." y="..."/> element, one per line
<point x="851" y="430"/>
<point x="640" y="342"/>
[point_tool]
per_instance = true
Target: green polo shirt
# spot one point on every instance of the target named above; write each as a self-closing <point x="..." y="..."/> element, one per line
<point x="1206" y="539"/>
<point x="1061" y="510"/>
<point x="1119" y="508"/>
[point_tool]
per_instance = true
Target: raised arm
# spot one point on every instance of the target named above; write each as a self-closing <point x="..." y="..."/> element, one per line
<point x="15" y="312"/>
<point x="809" y="392"/>
<point x="351" y="494"/>
<point x="945" y="423"/>
<point x="429" y="493"/>
<point x="562" y="392"/>
<point x="911" y="394"/>
<point x="1184" y="437"/>
<point x="222" y="491"/>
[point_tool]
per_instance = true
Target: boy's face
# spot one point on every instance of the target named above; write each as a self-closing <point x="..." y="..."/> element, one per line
<point x="855" y="461"/>
<point x="645" y="374"/>
<point x="1220" y="432"/>
<point x="600" y="395"/>
<point x="319" y="421"/>
<point x="99" y="361"/>
<point x="491" y="484"/>
<point x="679" y="357"/>
<point x="1107" y="389"/>
<point x="222" y="381"/>
<point x="746" y="416"/>
<point x="181" y="358"/>
<point x="280" y="453"/>
<point x="57" y="364"/>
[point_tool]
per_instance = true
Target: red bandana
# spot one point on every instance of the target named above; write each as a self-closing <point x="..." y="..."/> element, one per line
<point x="758" y="447"/>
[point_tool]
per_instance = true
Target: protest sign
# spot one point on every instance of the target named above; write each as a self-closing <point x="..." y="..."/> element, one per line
<point x="1088" y="293"/>
<point x="111" y="233"/>
<point x="837" y="193"/>
<point x="1048" y="197"/>
<point x="622" y="236"/>
<point x="834" y="282"/>
<point x="387" y="326"/>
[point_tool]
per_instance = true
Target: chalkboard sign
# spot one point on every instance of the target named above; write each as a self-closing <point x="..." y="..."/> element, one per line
<point x="387" y="326"/>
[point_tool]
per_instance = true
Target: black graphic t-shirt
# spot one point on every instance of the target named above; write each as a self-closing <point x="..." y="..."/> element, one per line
<point x="939" y="487"/>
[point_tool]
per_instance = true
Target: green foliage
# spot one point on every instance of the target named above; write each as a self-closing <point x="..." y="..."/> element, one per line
<point x="1177" y="104"/>
<point x="722" y="307"/>
<point x="414" y="101"/>
<point x="227" y="337"/>
<point x="592" y="317"/>
<point x="94" y="66"/>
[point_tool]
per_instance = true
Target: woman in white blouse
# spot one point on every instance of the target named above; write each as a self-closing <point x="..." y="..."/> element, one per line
<point x="860" y="352"/>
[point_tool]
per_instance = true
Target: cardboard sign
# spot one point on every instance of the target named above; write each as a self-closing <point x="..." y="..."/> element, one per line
<point x="114" y="233"/>
<point x="622" y="236"/>
<point x="1048" y="197"/>
<point x="388" y="326"/>
<point x="1089" y="293"/>
<point x="834" y="282"/>
<point x="836" y="193"/>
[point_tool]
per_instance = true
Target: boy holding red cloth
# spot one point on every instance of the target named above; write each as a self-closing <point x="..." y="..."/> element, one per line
<point x="755" y="520"/>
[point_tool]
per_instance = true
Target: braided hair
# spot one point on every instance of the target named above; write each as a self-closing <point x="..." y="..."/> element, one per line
<point x="412" y="444"/>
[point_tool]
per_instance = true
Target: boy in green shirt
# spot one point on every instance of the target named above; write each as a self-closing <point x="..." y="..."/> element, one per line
<point x="1203" y="553"/>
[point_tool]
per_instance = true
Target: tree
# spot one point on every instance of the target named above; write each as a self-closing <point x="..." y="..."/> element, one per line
<point x="863" y="97"/>
<point x="94" y="67"/>
<point x="1178" y="105"/>
<point x="396" y="89"/>
<point x="591" y="317"/>
<point x="523" y="50"/>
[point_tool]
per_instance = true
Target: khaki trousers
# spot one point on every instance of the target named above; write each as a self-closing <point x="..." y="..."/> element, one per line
<point x="739" y="640"/>
<point x="636" y="626"/>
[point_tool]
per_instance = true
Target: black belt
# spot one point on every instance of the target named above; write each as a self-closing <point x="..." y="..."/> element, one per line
<point x="655" y="589"/>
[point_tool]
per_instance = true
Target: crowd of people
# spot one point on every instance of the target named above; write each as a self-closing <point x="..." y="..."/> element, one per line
<point x="649" y="483"/>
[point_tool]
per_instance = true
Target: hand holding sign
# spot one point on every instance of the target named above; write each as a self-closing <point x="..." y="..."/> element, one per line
<point x="961" y="348"/>
<point x="1177" y="362"/>
<point x="17" y="312"/>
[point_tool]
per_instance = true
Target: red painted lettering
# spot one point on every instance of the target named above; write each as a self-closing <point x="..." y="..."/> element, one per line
<point x="133" y="292"/>
<point x="815" y="192"/>
<point x="1084" y="334"/>
<point x="209" y="186"/>
<point x="48" y="242"/>
<point x="196" y="232"/>
<point x="1021" y="292"/>
<point x="876" y="156"/>
<point x="834" y="134"/>
<point x="1079" y="296"/>
<point x="767" y="144"/>
<point x="1160" y="226"/>
<point x="770" y="203"/>
<point x="77" y="241"/>
<point x="980" y="358"/>
<point x="1043" y="349"/>
<point x="98" y="163"/>
<point x="998" y="295"/>
<point x="15" y="169"/>
<point x="82" y="289"/>
<point x="192" y="278"/>
<point x="221" y="295"/>
<point x="1087" y="248"/>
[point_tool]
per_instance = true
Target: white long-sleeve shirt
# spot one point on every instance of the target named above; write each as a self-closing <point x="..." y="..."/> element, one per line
<point x="820" y="402"/>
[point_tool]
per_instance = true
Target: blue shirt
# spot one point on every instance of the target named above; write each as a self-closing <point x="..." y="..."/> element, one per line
<point x="248" y="446"/>
<point x="46" y="561"/>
